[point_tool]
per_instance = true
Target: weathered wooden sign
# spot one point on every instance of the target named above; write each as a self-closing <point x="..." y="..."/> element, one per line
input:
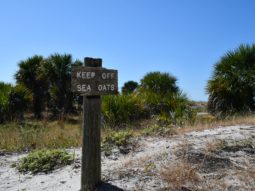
<point x="94" y="80"/>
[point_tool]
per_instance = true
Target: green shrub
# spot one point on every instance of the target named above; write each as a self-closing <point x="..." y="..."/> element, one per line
<point x="205" y="119"/>
<point x="122" y="109"/>
<point x="159" y="130"/>
<point x="44" y="161"/>
<point x="13" y="102"/>
<point x="5" y="90"/>
<point x="159" y="83"/>
<point x="19" y="101"/>
<point x="162" y="96"/>
<point x="231" y="87"/>
<point x="170" y="108"/>
<point x="119" y="138"/>
<point x="180" y="111"/>
<point x="129" y="87"/>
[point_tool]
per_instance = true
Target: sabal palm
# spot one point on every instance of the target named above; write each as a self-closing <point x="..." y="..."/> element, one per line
<point x="57" y="68"/>
<point x="5" y="90"/>
<point x="160" y="83"/>
<point x="29" y="76"/>
<point x="129" y="87"/>
<point x="232" y="86"/>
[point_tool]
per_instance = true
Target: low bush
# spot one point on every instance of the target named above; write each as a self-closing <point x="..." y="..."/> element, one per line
<point x="119" y="138"/>
<point x="5" y="90"/>
<point x="13" y="102"/>
<point x="160" y="130"/>
<point x="170" y="108"/>
<point x="19" y="101"/>
<point x="122" y="109"/>
<point x="44" y="161"/>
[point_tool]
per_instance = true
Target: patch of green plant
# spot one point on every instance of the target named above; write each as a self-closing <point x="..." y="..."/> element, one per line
<point x="5" y="90"/>
<point x="44" y="161"/>
<point x="174" y="108"/>
<point x="159" y="130"/>
<point x="150" y="166"/>
<point x="119" y="138"/>
<point x="31" y="125"/>
<point x="122" y="109"/>
<point x="205" y="118"/>
<point x="231" y="87"/>
<point x="236" y="145"/>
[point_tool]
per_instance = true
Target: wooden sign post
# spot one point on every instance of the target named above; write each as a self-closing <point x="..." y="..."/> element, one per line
<point x="92" y="81"/>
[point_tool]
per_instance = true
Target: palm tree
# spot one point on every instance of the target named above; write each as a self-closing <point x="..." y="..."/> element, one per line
<point x="29" y="76"/>
<point x="19" y="100"/>
<point x="5" y="90"/>
<point x="156" y="89"/>
<point x="57" y="69"/>
<point x="160" y="83"/>
<point x="129" y="87"/>
<point x="231" y="88"/>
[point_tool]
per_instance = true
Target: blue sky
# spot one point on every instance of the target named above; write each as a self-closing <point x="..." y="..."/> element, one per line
<point x="182" y="37"/>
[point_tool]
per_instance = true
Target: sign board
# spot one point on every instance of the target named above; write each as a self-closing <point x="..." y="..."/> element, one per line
<point x="94" y="80"/>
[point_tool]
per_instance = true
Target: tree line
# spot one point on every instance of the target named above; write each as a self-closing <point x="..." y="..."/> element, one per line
<point x="44" y="85"/>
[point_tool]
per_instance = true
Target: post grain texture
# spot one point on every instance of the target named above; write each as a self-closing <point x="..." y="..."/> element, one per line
<point x="91" y="152"/>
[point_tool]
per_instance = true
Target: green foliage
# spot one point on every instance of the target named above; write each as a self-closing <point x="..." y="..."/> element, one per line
<point x="49" y="83"/>
<point x="19" y="100"/>
<point x="57" y="70"/>
<point x="129" y="87"/>
<point x="159" y="83"/>
<point x="157" y="129"/>
<point x="5" y="90"/>
<point x="29" y="75"/>
<point x="231" y="88"/>
<point x="122" y="109"/>
<point x="181" y="111"/>
<point x="159" y="91"/>
<point x="119" y="138"/>
<point x="237" y="145"/>
<point x="13" y="102"/>
<point x="205" y="119"/>
<point x="171" y="108"/>
<point x="44" y="161"/>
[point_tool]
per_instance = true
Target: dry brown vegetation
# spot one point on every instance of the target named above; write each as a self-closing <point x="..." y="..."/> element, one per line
<point x="14" y="137"/>
<point x="63" y="134"/>
<point x="180" y="175"/>
<point x="214" y="123"/>
<point x="205" y="169"/>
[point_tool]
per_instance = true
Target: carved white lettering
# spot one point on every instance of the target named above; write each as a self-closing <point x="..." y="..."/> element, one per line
<point x="107" y="75"/>
<point x="83" y="88"/>
<point x="112" y="87"/>
<point x="85" y="75"/>
<point x="106" y="87"/>
<point x="99" y="88"/>
<point x="78" y="74"/>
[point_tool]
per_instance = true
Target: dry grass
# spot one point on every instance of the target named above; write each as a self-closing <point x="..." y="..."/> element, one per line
<point x="200" y="126"/>
<point x="180" y="175"/>
<point x="62" y="134"/>
<point x="15" y="137"/>
<point x="213" y="146"/>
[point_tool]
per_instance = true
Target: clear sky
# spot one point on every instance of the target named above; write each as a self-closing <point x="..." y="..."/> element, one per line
<point x="182" y="37"/>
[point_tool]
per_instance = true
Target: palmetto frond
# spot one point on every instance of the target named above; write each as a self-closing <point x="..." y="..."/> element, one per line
<point x="232" y="86"/>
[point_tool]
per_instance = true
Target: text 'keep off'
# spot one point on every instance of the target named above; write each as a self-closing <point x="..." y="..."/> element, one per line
<point x="94" y="81"/>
